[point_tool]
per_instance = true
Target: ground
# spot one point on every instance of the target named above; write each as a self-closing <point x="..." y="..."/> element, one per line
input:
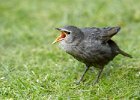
<point x="34" y="69"/>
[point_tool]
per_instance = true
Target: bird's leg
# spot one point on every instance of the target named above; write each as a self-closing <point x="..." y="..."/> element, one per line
<point x="87" y="68"/>
<point x="99" y="74"/>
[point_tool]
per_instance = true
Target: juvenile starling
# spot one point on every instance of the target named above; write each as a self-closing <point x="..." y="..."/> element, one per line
<point x="92" y="46"/>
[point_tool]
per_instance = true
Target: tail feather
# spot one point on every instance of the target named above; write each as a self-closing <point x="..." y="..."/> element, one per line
<point x="125" y="54"/>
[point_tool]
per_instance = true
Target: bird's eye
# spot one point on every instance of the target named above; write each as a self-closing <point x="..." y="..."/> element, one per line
<point x="67" y="32"/>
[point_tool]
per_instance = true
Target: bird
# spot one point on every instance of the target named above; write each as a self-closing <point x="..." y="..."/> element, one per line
<point x="90" y="45"/>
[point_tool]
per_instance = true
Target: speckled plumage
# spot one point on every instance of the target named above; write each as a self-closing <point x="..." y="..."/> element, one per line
<point x="92" y="46"/>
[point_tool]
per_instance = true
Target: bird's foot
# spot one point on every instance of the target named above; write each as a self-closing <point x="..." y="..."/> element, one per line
<point x="77" y="83"/>
<point x="95" y="82"/>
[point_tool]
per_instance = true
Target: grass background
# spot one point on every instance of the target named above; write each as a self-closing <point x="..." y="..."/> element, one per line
<point x="32" y="68"/>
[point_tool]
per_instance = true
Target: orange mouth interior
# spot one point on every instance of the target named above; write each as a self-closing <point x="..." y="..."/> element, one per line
<point x="60" y="37"/>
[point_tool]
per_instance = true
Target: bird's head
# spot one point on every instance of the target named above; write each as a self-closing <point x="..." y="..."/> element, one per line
<point x="69" y="34"/>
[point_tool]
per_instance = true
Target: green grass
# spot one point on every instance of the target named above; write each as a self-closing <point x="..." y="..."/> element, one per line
<point x="34" y="69"/>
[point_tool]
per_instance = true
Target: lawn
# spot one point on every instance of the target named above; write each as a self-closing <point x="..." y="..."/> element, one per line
<point x="34" y="69"/>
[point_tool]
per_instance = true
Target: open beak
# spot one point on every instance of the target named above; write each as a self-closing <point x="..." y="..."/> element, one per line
<point x="60" y="37"/>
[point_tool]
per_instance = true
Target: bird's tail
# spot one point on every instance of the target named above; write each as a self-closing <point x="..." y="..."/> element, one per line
<point x="125" y="54"/>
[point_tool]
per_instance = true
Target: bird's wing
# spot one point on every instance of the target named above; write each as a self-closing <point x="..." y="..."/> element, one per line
<point x="104" y="34"/>
<point x="108" y="32"/>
